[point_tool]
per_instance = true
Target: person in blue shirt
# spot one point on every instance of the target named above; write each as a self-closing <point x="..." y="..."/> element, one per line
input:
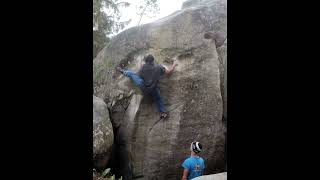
<point x="194" y="165"/>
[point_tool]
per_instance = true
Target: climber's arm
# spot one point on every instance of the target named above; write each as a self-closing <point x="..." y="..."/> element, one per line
<point x="185" y="174"/>
<point x="168" y="71"/>
<point x="141" y="65"/>
<point x="139" y="72"/>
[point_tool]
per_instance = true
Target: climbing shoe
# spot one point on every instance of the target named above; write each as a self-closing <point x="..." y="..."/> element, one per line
<point x="120" y="70"/>
<point x="164" y="115"/>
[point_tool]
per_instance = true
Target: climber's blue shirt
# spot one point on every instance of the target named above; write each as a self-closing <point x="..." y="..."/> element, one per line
<point x="194" y="165"/>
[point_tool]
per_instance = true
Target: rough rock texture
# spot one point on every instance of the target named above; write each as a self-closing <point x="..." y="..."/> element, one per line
<point x="220" y="176"/>
<point x="222" y="51"/>
<point x="194" y="91"/>
<point x="102" y="133"/>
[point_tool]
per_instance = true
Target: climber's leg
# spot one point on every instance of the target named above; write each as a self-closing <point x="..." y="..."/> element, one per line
<point x="134" y="77"/>
<point x="158" y="100"/>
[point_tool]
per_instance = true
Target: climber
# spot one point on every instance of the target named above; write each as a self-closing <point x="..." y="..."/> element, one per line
<point x="147" y="80"/>
<point x="194" y="165"/>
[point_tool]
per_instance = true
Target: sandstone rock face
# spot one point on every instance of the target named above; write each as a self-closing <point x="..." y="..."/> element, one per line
<point x="220" y="176"/>
<point x="193" y="93"/>
<point x="102" y="133"/>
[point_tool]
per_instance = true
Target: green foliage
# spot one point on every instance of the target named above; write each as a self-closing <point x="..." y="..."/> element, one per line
<point x="106" y="174"/>
<point x="147" y="8"/>
<point x="106" y="16"/>
<point x="98" y="77"/>
<point x="99" y="41"/>
<point x="106" y="19"/>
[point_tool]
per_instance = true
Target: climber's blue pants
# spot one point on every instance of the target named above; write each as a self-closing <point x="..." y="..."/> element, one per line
<point x="155" y="93"/>
<point x="134" y="77"/>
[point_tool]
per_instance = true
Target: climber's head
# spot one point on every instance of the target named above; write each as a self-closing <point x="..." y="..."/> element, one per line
<point x="149" y="59"/>
<point x="195" y="147"/>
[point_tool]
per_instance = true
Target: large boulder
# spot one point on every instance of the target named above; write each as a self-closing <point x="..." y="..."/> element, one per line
<point x="102" y="134"/>
<point x="192" y="93"/>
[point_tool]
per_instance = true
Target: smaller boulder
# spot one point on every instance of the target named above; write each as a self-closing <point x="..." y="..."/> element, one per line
<point x="102" y="134"/>
<point x="219" y="176"/>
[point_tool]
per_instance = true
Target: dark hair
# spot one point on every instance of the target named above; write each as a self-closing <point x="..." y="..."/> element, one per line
<point x="149" y="59"/>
